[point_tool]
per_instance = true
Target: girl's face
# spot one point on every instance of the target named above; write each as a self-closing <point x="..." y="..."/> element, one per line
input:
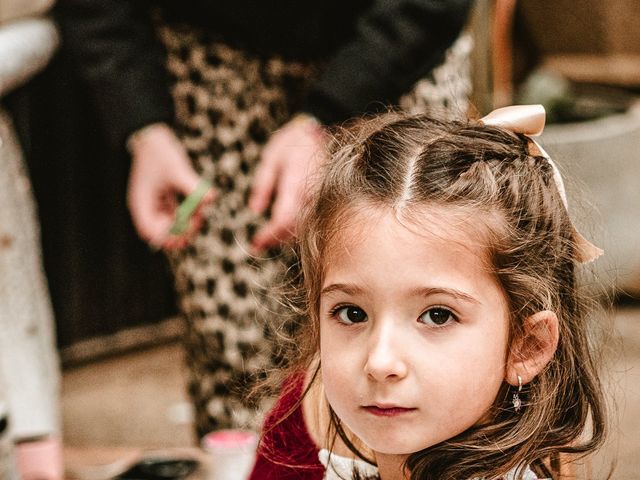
<point x="413" y="330"/>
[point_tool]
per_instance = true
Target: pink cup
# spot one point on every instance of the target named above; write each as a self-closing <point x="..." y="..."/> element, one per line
<point x="232" y="453"/>
<point x="40" y="459"/>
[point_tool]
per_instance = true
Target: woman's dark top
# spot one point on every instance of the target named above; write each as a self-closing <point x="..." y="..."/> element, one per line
<point x="371" y="51"/>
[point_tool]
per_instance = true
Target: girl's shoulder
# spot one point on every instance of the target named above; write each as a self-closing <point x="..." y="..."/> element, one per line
<point x="286" y="448"/>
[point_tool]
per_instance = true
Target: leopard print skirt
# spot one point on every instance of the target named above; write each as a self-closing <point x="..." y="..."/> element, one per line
<point x="227" y="103"/>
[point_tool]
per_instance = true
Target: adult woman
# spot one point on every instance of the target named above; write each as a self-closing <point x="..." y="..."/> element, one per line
<point x="239" y="71"/>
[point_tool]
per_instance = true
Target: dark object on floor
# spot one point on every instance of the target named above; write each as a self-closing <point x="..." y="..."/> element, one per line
<point x="160" y="469"/>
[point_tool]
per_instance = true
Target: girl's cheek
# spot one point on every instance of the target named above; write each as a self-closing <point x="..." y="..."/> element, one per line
<point x="335" y="365"/>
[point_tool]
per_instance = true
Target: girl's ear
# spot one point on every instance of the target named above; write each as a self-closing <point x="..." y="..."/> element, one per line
<point x="531" y="352"/>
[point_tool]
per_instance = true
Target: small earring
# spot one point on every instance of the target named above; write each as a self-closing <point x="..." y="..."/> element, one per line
<point x="515" y="400"/>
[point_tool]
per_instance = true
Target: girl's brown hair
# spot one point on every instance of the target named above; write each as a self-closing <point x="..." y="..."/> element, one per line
<point x="406" y="162"/>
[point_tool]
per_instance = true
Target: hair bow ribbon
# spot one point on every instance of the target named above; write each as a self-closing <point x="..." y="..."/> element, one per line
<point x="529" y="120"/>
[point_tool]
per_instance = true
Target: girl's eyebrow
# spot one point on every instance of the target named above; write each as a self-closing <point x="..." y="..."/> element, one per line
<point x="457" y="294"/>
<point x="349" y="289"/>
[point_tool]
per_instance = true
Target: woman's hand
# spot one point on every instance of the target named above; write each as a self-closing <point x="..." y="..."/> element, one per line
<point x="160" y="171"/>
<point x="285" y="173"/>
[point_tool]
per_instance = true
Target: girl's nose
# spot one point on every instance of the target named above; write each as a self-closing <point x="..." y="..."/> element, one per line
<point x="385" y="360"/>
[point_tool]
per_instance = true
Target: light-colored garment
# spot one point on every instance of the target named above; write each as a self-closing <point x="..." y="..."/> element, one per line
<point x="342" y="468"/>
<point x="29" y="374"/>
<point x="25" y="48"/>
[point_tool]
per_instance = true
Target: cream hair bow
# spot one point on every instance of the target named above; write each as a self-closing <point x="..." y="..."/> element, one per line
<point x="529" y="120"/>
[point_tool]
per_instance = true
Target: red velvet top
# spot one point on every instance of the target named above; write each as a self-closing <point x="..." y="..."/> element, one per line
<point x="286" y="451"/>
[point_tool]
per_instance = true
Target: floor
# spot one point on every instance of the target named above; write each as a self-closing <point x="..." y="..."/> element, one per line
<point x="138" y="400"/>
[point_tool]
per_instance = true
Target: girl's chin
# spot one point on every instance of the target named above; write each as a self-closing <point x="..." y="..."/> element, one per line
<point x="390" y="446"/>
<point x="388" y="438"/>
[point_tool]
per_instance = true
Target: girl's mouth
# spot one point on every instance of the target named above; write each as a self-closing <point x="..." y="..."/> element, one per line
<point x="390" y="411"/>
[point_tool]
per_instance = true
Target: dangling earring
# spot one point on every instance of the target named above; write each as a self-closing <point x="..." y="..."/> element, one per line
<point x="515" y="400"/>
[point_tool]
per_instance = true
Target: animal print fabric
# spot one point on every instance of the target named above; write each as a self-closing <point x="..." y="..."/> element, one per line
<point x="227" y="103"/>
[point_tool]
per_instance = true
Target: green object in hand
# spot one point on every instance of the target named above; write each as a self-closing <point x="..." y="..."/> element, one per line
<point x="188" y="206"/>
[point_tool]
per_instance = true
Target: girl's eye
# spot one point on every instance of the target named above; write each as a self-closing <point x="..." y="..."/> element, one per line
<point x="350" y="314"/>
<point x="437" y="316"/>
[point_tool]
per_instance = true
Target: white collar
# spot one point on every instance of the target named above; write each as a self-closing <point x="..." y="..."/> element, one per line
<point x="341" y="468"/>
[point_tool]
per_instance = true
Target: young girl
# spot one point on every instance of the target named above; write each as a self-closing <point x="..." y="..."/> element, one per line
<point x="444" y="335"/>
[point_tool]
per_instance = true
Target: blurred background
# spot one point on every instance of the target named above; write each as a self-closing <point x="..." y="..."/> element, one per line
<point x="112" y="297"/>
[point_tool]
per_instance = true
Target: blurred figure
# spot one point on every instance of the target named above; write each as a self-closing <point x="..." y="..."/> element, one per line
<point x="238" y="93"/>
<point x="29" y="373"/>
